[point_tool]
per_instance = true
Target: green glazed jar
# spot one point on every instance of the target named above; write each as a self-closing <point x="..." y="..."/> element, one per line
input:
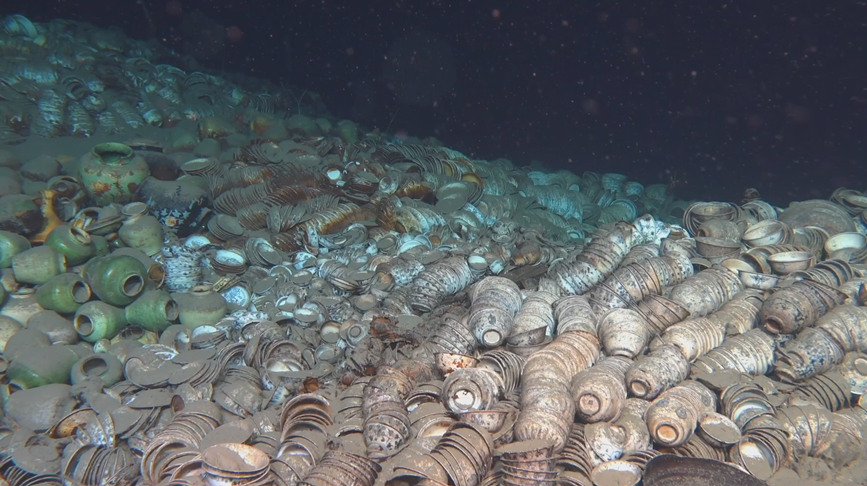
<point x="42" y="365"/>
<point x="154" y="310"/>
<point x="106" y="366"/>
<point x="200" y="307"/>
<point x="11" y="244"/>
<point x="96" y="320"/>
<point x="63" y="293"/>
<point x="111" y="173"/>
<point x="38" y="265"/>
<point x="73" y="243"/>
<point x="141" y="230"/>
<point x="116" y="279"/>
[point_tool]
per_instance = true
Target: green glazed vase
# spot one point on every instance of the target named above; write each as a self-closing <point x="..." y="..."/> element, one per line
<point x="42" y="365"/>
<point x="38" y="265"/>
<point x="116" y="279"/>
<point x="97" y="320"/>
<point x="63" y="293"/>
<point x="73" y="243"/>
<point x="154" y="310"/>
<point x="11" y="244"/>
<point x="200" y="307"/>
<point x="141" y="230"/>
<point x="111" y="173"/>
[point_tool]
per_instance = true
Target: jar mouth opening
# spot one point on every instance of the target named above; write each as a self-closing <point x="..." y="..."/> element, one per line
<point x="94" y="365"/>
<point x="83" y="325"/>
<point x="133" y="286"/>
<point x="113" y="152"/>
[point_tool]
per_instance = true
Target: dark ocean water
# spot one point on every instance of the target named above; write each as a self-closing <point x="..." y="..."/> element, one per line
<point x="712" y="97"/>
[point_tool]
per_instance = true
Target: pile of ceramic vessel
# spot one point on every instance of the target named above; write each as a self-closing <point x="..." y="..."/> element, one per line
<point x="340" y="309"/>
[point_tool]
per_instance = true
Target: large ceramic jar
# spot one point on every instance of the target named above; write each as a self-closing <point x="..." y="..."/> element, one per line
<point x="154" y="310"/>
<point x="11" y="244"/>
<point x="41" y="365"/>
<point x="103" y="365"/>
<point x="74" y="243"/>
<point x="116" y="279"/>
<point x="141" y="230"/>
<point x="200" y="307"/>
<point x="64" y="293"/>
<point x="37" y="265"/>
<point x="180" y="204"/>
<point x="111" y="173"/>
<point x="97" y="320"/>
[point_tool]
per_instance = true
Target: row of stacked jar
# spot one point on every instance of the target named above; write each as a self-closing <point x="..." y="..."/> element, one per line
<point x="735" y="325"/>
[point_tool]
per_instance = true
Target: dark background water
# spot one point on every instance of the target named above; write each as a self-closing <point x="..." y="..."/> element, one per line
<point x="711" y="97"/>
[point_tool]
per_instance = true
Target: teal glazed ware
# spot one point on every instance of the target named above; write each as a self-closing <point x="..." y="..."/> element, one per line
<point x="42" y="365"/>
<point x="103" y="365"/>
<point x="38" y="265"/>
<point x="116" y="279"/>
<point x="11" y="244"/>
<point x="97" y="320"/>
<point x="111" y="173"/>
<point x="154" y="310"/>
<point x="73" y="243"/>
<point x="200" y="307"/>
<point x="141" y="230"/>
<point x="64" y="293"/>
